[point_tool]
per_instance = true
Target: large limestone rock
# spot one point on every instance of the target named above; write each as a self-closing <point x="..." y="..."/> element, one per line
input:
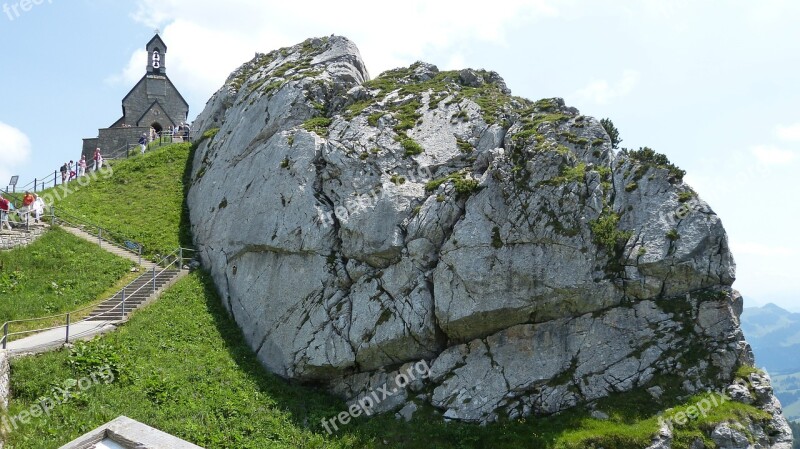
<point x="355" y="228"/>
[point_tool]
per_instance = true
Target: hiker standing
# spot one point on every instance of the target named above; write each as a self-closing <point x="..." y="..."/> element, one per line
<point x="98" y="160"/>
<point x="143" y="142"/>
<point x="38" y="208"/>
<point x="5" y="206"/>
<point x="64" y="170"/>
<point x="27" y="206"/>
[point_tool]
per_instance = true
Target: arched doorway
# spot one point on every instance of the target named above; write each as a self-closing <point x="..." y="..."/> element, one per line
<point x="157" y="126"/>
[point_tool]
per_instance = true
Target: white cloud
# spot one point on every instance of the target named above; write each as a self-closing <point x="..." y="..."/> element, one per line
<point x="15" y="150"/>
<point x="601" y="91"/>
<point x="768" y="155"/>
<point x="789" y="133"/>
<point x="132" y="72"/>
<point x="388" y="36"/>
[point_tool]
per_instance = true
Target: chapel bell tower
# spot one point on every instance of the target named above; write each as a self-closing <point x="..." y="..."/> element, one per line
<point x="156" y="56"/>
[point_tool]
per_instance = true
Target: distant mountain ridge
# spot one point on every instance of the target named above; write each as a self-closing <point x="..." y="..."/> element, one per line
<point x="774" y="335"/>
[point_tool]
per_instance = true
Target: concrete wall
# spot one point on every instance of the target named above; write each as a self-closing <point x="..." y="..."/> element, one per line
<point x="5" y="385"/>
<point x="5" y="379"/>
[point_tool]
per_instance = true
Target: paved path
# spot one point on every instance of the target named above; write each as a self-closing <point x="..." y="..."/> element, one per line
<point x="109" y="247"/>
<point x="55" y="338"/>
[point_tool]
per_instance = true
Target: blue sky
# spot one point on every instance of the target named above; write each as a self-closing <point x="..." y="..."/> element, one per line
<point x="715" y="88"/>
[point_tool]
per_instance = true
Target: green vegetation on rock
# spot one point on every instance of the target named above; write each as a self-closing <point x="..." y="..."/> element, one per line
<point x="651" y="159"/>
<point x="495" y="105"/>
<point x="569" y="174"/>
<point x="685" y="196"/>
<point x="606" y="232"/>
<point x="411" y="147"/>
<point x="318" y="125"/>
<point x="612" y="131"/>
<point x="464" y="186"/>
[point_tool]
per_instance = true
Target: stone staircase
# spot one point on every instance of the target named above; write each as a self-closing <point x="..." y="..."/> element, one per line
<point x="141" y="291"/>
<point x="107" y="315"/>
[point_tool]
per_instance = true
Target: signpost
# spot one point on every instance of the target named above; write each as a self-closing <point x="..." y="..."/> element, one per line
<point x="13" y="183"/>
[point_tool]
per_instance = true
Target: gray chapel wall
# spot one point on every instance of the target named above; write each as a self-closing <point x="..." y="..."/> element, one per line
<point x="114" y="143"/>
<point x="152" y="88"/>
<point x="88" y="147"/>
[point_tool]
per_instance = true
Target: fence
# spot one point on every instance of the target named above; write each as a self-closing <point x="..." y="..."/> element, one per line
<point x="51" y="180"/>
<point x="123" y="152"/>
<point x="103" y="234"/>
<point x="174" y="259"/>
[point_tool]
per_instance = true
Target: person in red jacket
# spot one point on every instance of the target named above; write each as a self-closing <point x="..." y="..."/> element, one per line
<point x="28" y="199"/>
<point x="4" y="208"/>
<point x="27" y="205"/>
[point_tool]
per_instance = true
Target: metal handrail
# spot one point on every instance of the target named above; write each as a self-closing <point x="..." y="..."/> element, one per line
<point x="179" y="260"/>
<point x="102" y="233"/>
<point x="78" y="222"/>
<point x="43" y="183"/>
<point x="123" y="291"/>
<point x="123" y="152"/>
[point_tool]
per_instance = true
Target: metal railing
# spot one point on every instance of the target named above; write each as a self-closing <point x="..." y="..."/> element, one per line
<point x="55" y="178"/>
<point x="176" y="258"/>
<point x="40" y="183"/>
<point x="23" y="217"/>
<point x="103" y="234"/>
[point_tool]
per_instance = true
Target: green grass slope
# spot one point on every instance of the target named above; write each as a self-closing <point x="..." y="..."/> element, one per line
<point x="58" y="273"/>
<point x="142" y="199"/>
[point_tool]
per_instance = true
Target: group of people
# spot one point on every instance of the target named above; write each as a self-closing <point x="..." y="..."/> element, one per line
<point x="180" y="132"/>
<point x="70" y="170"/>
<point x="32" y="204"/>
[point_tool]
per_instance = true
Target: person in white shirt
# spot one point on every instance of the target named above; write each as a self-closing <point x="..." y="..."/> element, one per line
<point x="38" y="208"/>
<point x="82" y="166"/>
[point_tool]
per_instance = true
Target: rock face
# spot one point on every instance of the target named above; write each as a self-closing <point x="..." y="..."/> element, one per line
<point x="355" y="228"/>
